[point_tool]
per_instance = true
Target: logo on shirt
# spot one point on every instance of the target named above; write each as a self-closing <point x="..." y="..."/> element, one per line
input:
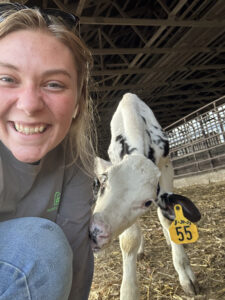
<point x="56" y="202"/>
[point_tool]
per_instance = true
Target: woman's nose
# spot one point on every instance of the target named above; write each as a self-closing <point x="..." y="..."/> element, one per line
<point x="30" y="100"/>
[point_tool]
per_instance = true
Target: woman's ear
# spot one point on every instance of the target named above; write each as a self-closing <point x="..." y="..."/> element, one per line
<point x="76" y="111"/>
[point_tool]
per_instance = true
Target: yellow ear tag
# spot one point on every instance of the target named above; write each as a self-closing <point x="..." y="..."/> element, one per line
<point x="182" y="231"/>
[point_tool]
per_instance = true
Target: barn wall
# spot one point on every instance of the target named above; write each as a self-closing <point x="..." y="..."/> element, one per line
<point x="197" y="145"/>
<point x="207" y="178"/>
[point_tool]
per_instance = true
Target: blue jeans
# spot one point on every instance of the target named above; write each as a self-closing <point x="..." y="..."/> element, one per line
<point x="35" y="260"/>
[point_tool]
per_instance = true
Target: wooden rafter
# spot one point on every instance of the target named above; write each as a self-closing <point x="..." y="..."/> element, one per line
<point x="150" y="22"/>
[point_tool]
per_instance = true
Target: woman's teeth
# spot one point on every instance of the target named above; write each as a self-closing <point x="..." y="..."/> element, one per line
<point x="29" y="129"/>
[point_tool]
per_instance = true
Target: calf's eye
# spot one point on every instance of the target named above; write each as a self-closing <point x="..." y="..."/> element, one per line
<point x="96" y="184"/>
<point x="148" y="203"/>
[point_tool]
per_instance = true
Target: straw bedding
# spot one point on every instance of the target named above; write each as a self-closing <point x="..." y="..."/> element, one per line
<point x="157" y="277"/>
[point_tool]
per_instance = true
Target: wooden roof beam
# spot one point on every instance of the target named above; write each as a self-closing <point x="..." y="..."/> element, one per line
<point x="153" y="85"/>
<point x="124" y="15"/>
<point x="153" y="50"/>
<point x="110" y="42"/>
<point x="80" y="7"/>
<point x="156" y="69"/>
<point x="150" y="22"/>
<point x="193" y="92"/>
<point x="159" y="103"/>
<point x="44" y="3"/>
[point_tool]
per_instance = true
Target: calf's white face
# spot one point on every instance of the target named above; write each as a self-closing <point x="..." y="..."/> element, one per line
<point x="124" y="192"/>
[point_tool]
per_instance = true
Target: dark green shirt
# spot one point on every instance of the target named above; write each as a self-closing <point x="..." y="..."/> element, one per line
<point x="55" y="191"/>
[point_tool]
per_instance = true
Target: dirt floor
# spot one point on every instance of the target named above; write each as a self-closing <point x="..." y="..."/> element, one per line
<point x="157" y="277"/>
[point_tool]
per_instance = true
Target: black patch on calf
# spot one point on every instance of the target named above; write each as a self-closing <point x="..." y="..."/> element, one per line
<point x="167" y="210"/>
<point x="164" y="145"/>
<point x="95" y="188"/>
<point x="149" y="135"/>
<point x="166" y="148"/>
<point x="151" y="154"/>
<point x="168" y="201"/>
<point x="144" y="120"/>
<point x="98" y="187"/>
<point x="125" y="147"/>
<point x="157" y="142"/>
<point x="158" y="189"/>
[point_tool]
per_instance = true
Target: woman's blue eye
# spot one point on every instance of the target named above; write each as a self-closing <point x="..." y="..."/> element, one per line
<point x="6" y="79"/>
<point x="55" y="85"/>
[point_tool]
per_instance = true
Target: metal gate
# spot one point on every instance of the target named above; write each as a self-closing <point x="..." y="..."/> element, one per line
<point x="197" y="141"/>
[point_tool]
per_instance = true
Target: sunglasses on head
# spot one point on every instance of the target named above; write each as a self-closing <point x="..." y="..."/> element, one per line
<point x="68" y="19"/>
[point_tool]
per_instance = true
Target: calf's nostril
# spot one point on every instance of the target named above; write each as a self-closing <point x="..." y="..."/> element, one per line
<point x="92" y="237"/>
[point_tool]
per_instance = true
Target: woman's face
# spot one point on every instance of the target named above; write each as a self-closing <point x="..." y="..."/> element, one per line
<point x="38" y="93"/>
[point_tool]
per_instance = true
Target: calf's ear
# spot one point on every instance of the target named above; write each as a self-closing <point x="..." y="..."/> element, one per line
<point x="168" y="201"/>
<point x="101" y="165"/>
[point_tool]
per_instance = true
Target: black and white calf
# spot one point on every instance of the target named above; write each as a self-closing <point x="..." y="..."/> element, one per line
<point x="139" y="173"/>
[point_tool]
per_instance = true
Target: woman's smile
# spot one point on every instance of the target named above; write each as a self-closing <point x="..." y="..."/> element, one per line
<point x="29" y="129"/>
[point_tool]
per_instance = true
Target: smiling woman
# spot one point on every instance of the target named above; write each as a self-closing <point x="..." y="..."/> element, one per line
<point x="35" y="95"/>
<point x="58" y="25"/>
<point x="46" y="154"/>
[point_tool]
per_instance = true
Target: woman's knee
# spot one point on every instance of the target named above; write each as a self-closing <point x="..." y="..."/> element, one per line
<point x="39" y="248"/>
<point x="35" y="235"/>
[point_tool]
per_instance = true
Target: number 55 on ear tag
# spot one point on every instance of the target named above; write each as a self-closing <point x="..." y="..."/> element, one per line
<point x="182" y="231"/>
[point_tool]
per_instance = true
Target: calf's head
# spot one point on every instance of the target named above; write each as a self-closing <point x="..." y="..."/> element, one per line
<point x="123" y="191"/>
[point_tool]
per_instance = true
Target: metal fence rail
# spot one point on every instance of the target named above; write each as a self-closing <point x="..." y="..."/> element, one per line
<point x="197" y="141"/>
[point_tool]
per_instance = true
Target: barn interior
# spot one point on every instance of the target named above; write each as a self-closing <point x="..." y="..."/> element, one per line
<point x="172" y="55"/>
<point x="169" y="53"/>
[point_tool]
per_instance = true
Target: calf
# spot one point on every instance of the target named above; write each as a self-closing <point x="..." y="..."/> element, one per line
<point x="139" y="173"/>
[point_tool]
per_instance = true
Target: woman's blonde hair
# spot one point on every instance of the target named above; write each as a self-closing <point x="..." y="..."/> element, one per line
<point x="82" y="134"/>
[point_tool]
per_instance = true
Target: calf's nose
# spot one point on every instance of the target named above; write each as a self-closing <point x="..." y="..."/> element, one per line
<point x="99" y="234"/>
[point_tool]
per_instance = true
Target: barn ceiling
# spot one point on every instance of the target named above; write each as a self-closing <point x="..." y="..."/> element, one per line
<point x="171" y="53"/>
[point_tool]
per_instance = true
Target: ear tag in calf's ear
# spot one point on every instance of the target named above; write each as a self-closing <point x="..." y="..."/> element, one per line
<point x="182" y="231"/>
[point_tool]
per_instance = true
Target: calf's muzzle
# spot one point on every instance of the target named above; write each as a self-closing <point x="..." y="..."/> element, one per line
<point x="99" y="232"/>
